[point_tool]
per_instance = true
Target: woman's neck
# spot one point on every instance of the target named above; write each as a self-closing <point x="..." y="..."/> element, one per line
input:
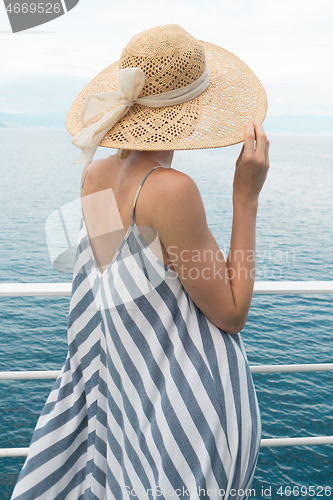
<point x="164" y="158"/>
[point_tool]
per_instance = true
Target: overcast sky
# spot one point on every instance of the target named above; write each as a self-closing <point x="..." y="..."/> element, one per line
<point x="287" y="43"/>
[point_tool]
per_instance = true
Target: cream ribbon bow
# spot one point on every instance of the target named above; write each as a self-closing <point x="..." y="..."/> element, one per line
<point x="130" y="85"/>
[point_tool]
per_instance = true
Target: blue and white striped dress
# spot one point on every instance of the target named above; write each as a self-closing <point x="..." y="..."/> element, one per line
<point x="153" y="402"/>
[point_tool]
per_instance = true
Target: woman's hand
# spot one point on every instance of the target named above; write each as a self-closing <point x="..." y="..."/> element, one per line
<point x="252" y="165"/>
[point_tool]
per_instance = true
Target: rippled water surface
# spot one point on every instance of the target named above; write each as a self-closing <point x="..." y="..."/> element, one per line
<point x="294" y="242"/>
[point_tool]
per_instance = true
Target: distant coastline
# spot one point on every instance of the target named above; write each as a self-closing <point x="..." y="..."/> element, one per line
<point x="32" y="120"/>
<point x="284" y="124"/>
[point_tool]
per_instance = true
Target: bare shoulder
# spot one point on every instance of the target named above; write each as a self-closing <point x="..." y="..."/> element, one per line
<point x="175" y="179"/>
<point x="175" y="199"/>
<point x="97" y="178"/>
<point x="174" y="187"/>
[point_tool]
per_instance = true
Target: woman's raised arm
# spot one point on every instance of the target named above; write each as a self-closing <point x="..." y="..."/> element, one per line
<point x="222" y="290"/>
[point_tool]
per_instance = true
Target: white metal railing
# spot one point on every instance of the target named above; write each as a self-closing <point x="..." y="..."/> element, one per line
<point x="29" y="375"/>
<point x="34" y="289"/>
<point x="302" y="441"/>
<point x="260" y="287"/>
<point x="53" y="374"/>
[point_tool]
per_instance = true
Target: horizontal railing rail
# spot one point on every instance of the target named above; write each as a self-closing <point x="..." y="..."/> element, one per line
<point x="260" y="287"/>
<point x="273" y="442"/>
<point x="53" y="374"/>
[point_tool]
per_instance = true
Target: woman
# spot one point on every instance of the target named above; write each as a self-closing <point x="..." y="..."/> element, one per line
<point x="156" y="399"/>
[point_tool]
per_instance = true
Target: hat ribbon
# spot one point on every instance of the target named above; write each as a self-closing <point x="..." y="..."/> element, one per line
<point x="130" y="85"/>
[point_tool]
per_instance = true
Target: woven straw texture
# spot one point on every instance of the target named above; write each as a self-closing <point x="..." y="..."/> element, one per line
<point x="171" y="58"/>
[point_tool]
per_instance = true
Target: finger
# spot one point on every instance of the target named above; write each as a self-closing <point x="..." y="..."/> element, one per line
<point x="266" y="152"/>
<point x="249" y="138"/>
<point x="240" y="155"/>
<point x="260" y="136"/>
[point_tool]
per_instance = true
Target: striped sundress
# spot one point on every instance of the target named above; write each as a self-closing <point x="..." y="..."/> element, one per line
<point x="153" y="402"/>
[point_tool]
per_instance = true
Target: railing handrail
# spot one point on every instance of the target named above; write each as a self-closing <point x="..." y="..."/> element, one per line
<point x="260" y="287"/>
<point x="298" y="441"/>
<point x="53" y="374"/>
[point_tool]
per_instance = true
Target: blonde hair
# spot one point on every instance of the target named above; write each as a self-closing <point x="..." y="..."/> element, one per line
<point x="123" y="153"/>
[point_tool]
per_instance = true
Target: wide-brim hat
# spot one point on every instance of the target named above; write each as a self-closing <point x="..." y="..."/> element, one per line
<point x="170" y="59"/>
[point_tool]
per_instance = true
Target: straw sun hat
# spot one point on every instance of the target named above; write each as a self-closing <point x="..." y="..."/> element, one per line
<point x="203" y="97"/>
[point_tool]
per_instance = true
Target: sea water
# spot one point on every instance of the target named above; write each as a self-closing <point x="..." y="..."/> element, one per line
<point x="294" y="242"/>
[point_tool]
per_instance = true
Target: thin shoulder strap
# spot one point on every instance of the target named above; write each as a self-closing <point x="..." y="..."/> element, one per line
<point x="138" y="191"/>
<point x="84" y="178"/>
